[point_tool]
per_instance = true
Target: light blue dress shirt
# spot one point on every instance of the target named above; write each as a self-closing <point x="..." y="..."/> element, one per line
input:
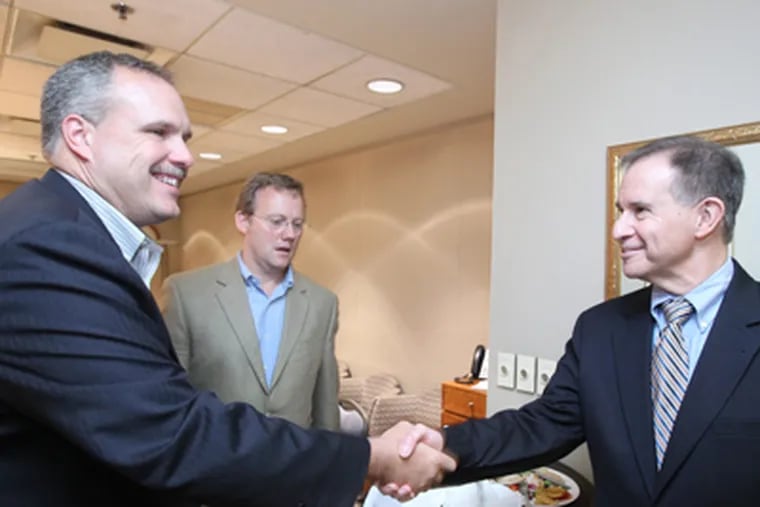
<point x="141" y="252"/>
<point x="706" y="299"/>
<point x="268" y="314"/>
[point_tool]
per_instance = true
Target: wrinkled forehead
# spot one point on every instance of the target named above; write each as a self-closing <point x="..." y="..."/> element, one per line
<point x="647" y="177"/>
<point x="656" y="168"/>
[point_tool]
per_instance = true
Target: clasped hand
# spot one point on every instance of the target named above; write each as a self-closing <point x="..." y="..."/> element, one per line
<point x="408" y="459"/>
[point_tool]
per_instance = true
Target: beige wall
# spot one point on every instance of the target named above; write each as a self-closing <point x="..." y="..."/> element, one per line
<point x="573" y="78"/>
<point x="401" y="232"/>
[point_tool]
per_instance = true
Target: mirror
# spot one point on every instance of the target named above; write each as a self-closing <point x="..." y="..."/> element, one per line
<point x="745" y="140"/>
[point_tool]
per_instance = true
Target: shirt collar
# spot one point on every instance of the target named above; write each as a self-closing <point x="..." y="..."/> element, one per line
<point x="128" y="237"/>
<point x="250" y="278"/>
<point x="704" y="297"/>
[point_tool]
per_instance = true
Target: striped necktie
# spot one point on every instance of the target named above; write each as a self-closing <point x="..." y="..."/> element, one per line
<point x="670" y="373"/>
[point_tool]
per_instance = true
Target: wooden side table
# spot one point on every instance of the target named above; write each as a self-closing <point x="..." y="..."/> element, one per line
<point x="460" y="402"/>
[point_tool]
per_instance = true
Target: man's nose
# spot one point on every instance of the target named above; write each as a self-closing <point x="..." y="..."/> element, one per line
<point x="621" y="228"/>
<point x="180" y="155"/>
<point x="289" y="230"/>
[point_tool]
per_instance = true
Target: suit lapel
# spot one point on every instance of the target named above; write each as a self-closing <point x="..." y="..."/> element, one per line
<point x="59" y="184"/>
<point x="728" y="351"/>
<point x="52" y="180"/>
<point x="632" y="350"/>
<point x="234" y="302"/>
<point x="296" y="309"/>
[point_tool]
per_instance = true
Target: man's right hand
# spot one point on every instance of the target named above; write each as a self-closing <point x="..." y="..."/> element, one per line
<point x="409" y="455"/>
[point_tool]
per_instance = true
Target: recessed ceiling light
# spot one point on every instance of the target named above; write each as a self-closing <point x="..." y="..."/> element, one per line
<point x="385" y="86"/>
<point x="210" y="156"/>
<point x="274" y="129"/>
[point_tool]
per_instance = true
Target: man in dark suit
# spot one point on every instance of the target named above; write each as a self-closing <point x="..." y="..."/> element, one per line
<point x="94" y="406"/>
<point x="650" y="445"/>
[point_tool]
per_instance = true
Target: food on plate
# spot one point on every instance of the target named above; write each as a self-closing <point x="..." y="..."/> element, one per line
<point x="543" y="486"/>
<point x="550" y="495"/>
<point x="509" y="480"/>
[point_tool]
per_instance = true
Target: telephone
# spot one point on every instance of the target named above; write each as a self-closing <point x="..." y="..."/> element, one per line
<point x="472" y="376"/>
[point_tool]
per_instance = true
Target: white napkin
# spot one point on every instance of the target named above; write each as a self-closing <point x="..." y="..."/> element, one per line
<point x="485" y="493"/>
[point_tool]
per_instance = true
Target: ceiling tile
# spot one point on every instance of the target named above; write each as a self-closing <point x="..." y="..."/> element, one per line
<point x="20" y="106"/>
<point x="203" y="112"/>
<point x="161" y="56"/>
<point x="232" y="146"/>
<point x="19" y="147"/>
<point x="58" y="46"/>
<point x="24" y="77"/>
<point x="319" y="108"/>
<point x="3" y="20"/>
<point x="148" y="23"/>
<point x="249" y="41"/>
<point x="199" y="130"/>
<point x="201" y="166"/>
<point x="21" y="127"/>
<point x="24" y="30"/>
<point x="351" y="81"/>
<point x="219" y="83"/>
<point x="251" y="124"/>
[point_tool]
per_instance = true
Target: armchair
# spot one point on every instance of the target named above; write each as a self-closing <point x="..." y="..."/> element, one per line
<point x="358" y="397"/>
<point x="423" y="408"/>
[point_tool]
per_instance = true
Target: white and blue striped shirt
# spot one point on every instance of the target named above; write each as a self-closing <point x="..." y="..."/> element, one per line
<point x="141" y="252"/>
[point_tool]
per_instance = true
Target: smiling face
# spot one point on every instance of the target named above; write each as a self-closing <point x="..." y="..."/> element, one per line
<point x="268" y="246"/>
<point x="657" y="234"/>
<point x="138" y="154"/>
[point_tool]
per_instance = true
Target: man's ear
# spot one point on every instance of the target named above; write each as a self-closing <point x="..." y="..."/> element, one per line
<point x="242" y="222"/>
<point x="77" y="133"/>
<point x="710" y="213"/>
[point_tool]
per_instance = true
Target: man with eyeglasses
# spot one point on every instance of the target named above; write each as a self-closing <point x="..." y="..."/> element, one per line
<point x="253" y="329"/>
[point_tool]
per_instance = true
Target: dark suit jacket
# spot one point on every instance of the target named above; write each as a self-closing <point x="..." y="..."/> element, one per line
<point x="94" y="407"/>
<point x="600" y="393"/>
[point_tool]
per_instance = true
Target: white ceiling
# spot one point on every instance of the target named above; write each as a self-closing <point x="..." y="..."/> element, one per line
<point x="241" y="64"/>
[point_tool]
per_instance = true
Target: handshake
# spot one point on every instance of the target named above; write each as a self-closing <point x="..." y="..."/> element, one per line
<point x="408" y="459"/>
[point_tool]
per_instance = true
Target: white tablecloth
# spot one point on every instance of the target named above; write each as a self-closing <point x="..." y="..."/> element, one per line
<point x="476" y="494"/>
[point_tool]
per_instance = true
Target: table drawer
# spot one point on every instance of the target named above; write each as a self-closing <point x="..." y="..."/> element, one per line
<point x="464" y="401"/>
<point x="449" y="418"/>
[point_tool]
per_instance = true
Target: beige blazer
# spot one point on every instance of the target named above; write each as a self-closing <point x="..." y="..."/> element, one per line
<point x="212" y="329"/>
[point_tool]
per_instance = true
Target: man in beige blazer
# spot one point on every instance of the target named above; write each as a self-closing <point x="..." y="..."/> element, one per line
<point x="254" y="330"/>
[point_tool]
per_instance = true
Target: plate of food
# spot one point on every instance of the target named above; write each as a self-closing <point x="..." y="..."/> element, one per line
<point x="544" y="486"/>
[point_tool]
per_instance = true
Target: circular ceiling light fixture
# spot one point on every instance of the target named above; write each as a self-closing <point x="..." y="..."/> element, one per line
<point x="274" y="129"/>
<point x="385" y="86"/>
<point x="210" y="156"/>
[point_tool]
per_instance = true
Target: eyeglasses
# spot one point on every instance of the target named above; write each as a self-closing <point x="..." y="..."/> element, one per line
<point x="279" y="223"/>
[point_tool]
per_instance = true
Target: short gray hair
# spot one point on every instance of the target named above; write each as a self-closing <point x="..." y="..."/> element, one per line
<point x="82" y="86"/>
<point x="704" y="169"/>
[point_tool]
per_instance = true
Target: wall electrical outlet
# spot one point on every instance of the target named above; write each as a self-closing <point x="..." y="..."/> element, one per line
<point x="544" y="372"/>
<point x="505" y="376"/>
<point x="526" y="373"/>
